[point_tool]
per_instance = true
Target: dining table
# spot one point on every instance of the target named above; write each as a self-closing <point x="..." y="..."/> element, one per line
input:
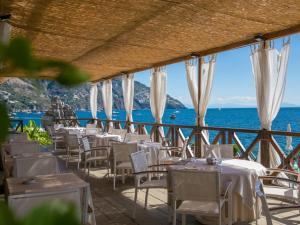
<point x="26" y="193"/>
<point x="243" y="175"/>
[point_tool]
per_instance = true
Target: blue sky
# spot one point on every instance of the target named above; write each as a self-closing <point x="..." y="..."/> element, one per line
<point x="233" y="81"/>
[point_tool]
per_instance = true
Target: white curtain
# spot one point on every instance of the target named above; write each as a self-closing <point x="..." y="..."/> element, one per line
<point x="107" y="99"/>
<point x="5" y="29"/>
<point x="93" y="100"/>
<point x="207" y="76"/>
<point x="269" y="69"/>
<point x="158" y="94"/>
<point x="128" y="94"/>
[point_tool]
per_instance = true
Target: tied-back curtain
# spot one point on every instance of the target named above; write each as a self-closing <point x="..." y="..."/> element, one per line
<point x="158" y="94"/>
<point x="128" y="94"/>
<point x="5" y="29"/>
<point x="93" y="100"/>
<point x="107" y="99"/>
<point x="207" y="76"/>
<point x="269" y="69"/>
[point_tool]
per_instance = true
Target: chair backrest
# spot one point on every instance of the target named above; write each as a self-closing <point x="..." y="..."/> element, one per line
<point x="196" y="185"/>
<point x="139" y="161"/>
<point x="219" y="151"/>
<point x="184" y="149"/>
<point x="121" y="132"/>
<point x="86" y="144"/>
<point x="259" y="191"/>
<point x="122" y="151"/>
<point x="19" y="137"/>
<point x="33" y="166"/>
<point x="226" y="151"/>
<point x="16" y="148"/>
<point x="72" y="140"/>
<point x="212" y="151"/>
<point x="58" y="126"/>
<point x="130" y="137"/>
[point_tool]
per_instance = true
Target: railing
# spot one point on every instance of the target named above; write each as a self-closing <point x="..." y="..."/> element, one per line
<point x="175" y="137"/>
<point x="16" y="124"/>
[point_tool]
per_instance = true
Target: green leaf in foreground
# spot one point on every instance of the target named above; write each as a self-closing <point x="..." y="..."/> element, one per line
<point x="19" y="53"/>
<point x="6" y="215"/>
<point x="52" y="213"/>
<point x="68" y="75"/>
<point x="71" y="76"/>
<point x="4" y="123"/>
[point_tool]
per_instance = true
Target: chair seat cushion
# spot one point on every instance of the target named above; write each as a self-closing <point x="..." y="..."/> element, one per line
<point x="161" y="183"/>
<point x="201" y="207"/>
<point x="124" y="165"/>
<point x="281" y="192"/>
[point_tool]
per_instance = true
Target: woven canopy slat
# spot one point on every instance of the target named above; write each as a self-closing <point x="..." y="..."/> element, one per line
<point x="107" y="37"/>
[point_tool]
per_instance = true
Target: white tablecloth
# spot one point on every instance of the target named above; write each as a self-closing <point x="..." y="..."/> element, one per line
<point x="32" y="164"/>
<point x="243" y="175"/>
<point x="152" y="148"/>
<point x="103" y="140"/>
<point x="22" y="197"/>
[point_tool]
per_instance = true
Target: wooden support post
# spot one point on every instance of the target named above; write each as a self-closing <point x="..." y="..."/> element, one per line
<point x="176" y="141"/>
<point x="230" y="137"/>
<point x="173" y="135"/>
<point x="265" y="148"/>
<point x="223" y="139"/>
<point x="198" y="129"/>
<point x="156" y="133"/>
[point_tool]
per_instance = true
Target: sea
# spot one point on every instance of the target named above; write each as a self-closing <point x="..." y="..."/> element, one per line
<point x="225" y="117"/>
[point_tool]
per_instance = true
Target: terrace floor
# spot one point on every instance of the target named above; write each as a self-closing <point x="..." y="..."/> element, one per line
<point x="115" y="207"/>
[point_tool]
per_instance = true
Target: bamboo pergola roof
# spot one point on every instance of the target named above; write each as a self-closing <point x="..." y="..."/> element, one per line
<point x="108" y="37"/>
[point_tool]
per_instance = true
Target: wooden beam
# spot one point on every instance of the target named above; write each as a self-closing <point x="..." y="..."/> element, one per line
<point x="199" y="131"/>
<point x="242" y="43"/>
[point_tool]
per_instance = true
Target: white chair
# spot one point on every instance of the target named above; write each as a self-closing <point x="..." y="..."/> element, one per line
<point x="57" y="136"/>
<point x="264" y="191"/>
<point x="200" y="194"/>
<point x="141" y="171"/>
<point x="25" y="166"/>
<point x="74" y="149"/>
<point x="169" y="154"/>
<point x="94" y="154"/>
<point x="224" y="151"/>
<point x="17" y="148"/>
<point x="286" y="189"/>
<point x="18" y="137"/>
<point x="121" y="159"/>
<point x="130" y="137"/>
<point x="121" y="132"/>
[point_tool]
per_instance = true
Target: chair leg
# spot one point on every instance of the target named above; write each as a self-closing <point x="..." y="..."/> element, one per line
<point x="256" y="210"/>
<point x="135" y="200"/>
<point x="183" y="219"/>
<point x="85" y="166"/>
<point x="146" y="197"/>
<point x="230" y="211"/>
<point x="174" y="213"/>
<point x="89" y="167"/>
<point x="123" y="176"/>
<point x="114" y="186"/>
